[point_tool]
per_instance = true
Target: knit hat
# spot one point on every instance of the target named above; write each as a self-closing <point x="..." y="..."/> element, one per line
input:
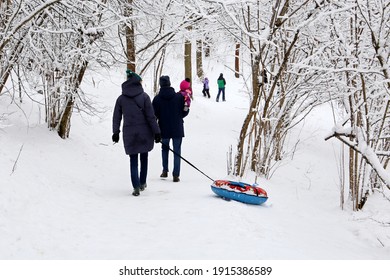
<point x="184" y="85"/>
<point x="130" y="74"/>
<point x="164" y="81"/>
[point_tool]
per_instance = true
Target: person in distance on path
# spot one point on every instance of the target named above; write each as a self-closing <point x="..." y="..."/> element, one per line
<point x="221" y="87"/>
<point x="206" y="88"/>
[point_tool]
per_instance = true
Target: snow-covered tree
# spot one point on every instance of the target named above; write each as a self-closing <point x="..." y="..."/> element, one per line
<point x="16" y="18"/>
<point x="301" y="53"/>
<point x="52" y="43"/>
<point x="277" y="35"/>
<point x="360" y="60"/>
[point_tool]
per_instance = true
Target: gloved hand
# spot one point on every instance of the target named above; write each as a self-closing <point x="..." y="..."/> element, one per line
<point x="115" y="137"/>
<point x="157" y="138"/>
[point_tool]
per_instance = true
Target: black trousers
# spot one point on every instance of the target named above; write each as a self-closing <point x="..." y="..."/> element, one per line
<point x="206" y="91"/>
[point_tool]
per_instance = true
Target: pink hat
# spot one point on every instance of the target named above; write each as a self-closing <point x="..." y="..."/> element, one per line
<point x="184" y="85"/>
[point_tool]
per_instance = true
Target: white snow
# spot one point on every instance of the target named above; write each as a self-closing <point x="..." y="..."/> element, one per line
<point x="71" y="199"/>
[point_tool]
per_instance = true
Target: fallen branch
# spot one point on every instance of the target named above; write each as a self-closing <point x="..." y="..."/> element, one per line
<point x="16" y="161"/>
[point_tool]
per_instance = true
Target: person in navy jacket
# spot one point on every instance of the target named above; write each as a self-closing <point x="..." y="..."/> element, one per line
<point x="140" y="128"/>
<point x="169" y="110"/>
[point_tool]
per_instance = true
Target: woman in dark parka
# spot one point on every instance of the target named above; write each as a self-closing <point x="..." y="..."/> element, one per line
<point x="140" y="128"/>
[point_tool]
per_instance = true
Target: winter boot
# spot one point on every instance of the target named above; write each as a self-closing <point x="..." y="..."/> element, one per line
<point x="176" y="179"/>
<point x="136" y="192"/>
<point x="142" y="187"/>
<point x="164" y="174"/>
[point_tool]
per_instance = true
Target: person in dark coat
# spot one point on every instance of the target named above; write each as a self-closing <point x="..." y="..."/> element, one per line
<point x="168" y="107"/>
<point x="140" y="128"/>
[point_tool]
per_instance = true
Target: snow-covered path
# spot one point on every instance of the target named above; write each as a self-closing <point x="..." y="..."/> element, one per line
<point x="72" y="199"/>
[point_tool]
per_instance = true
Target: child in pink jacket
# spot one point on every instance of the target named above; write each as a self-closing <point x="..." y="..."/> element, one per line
<point x="186" y="91"/>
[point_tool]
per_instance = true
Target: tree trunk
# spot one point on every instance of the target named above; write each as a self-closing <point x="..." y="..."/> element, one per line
<point x="130" y="38"/>
<point x="206" y="46"/>
<point x="158" y="71"/>
<point x="187" y="60"/>
<point x="239" y="168"/>
<point x="199" y="59"/>
<point x="64" y="124"/>
<point x="130" y="44"/>
<point x="237" y="61"/>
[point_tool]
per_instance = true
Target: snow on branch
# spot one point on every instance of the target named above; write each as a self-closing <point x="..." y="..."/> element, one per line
<point x="361" y="147"/>
<point x="25" y="20"/>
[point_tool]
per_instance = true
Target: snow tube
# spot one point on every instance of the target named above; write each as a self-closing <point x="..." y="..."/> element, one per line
<point x="239" y="191"/>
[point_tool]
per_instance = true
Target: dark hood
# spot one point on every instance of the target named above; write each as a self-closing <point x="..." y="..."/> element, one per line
<point x="132" y="87"/>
